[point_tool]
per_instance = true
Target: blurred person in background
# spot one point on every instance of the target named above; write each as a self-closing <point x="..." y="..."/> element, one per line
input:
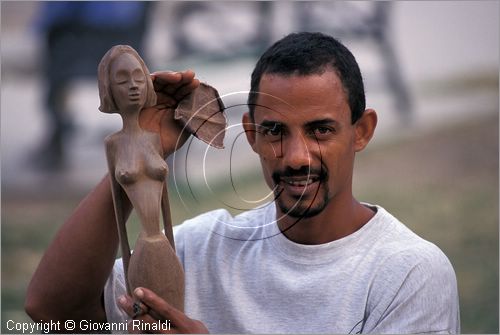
<point x="77" y="34"/>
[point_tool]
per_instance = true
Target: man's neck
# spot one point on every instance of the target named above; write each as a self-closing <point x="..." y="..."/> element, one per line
<point x="337" y="220"/>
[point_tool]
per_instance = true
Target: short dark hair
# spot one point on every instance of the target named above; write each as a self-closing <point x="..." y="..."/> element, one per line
<point x="308" y="53"/>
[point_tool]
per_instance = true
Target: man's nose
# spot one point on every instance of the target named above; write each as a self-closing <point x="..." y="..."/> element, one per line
<point x="296" y="151"/>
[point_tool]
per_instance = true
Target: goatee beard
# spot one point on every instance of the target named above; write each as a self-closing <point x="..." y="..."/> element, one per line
<point x="300" y="209"/>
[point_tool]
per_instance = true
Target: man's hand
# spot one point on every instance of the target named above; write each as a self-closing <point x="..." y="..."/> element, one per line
<point x="171" y="88"/>
<point x="155" y="308"/>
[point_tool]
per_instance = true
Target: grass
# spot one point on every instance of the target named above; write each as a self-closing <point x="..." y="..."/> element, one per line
<point x="443" y="184"/>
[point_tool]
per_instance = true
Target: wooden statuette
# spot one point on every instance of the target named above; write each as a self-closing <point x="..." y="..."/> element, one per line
<point x="138" y="171"/>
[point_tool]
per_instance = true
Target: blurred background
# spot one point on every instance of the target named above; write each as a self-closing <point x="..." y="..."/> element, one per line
<point x="431" y="72"/>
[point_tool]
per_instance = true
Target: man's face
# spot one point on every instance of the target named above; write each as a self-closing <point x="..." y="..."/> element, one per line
<point x="305" y="141"/>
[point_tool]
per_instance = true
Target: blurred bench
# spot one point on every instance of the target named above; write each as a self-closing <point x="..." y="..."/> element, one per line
<point x="361" y="20"/>
<point x="214" y="30"/>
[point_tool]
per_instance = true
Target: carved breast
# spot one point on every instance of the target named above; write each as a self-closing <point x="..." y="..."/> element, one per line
<point x="156" y="168"/>
<point x="126" y="175"/>
<point x="140" y="161"/>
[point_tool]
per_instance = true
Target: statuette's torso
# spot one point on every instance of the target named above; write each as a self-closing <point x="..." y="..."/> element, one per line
<point x="142" y="159"/>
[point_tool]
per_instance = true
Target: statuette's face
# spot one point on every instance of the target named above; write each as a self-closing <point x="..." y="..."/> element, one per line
<point x="128" y="83"/>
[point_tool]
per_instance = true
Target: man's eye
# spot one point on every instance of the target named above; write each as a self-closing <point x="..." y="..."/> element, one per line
<point x="322" y="131"/>
<point x="276" y="131"/>
<point x="273" y="131"/>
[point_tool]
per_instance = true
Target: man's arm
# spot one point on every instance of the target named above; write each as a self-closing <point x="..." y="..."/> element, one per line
<point x="69" y="281"/>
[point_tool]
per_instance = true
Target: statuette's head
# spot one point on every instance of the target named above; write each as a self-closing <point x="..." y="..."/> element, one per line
<point x="124" y="81"/>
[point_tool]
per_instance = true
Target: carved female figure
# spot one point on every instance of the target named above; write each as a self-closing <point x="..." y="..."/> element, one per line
<point x="138" y="172"/>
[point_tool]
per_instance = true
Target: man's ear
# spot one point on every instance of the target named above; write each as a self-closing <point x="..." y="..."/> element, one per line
<point x="250" y="130"/>
<point x="364" y="129"/>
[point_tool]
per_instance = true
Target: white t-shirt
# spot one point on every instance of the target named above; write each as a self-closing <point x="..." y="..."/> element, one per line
<point x="244" y="276"/>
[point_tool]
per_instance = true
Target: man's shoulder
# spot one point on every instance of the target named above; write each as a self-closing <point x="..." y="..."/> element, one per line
<point x="412" y="283"/>
<point x="399" y="249"/>
<point x="417" y="254"/>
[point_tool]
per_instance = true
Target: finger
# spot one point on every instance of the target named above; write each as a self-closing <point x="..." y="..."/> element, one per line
<point x="184" y="90"/>
<point x="135" y="309"/>
<point x="164" y="78"/>
<point x="135" y="325"/>
<point x="139" y="309"/>
<point x="171" y="87"/>
<point x="171" y="80"/>
<point x="187" y="78"/>
<point x="160" y="306"/>
<point x="126" y="304"/>
<point x="166" y="100"/>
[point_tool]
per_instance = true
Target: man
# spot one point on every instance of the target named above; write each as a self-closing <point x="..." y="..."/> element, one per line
<point x="315" y="260"/>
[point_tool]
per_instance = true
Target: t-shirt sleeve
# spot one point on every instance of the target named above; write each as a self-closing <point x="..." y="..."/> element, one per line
<point x="418" y="295"/>
<point x="114" y="288"/>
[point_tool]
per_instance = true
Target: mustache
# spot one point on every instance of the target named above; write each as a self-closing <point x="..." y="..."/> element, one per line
<point x="288" y="171"/>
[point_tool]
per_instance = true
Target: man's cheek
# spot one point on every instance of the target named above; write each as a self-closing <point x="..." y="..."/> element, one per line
<point x="269" y="151"/>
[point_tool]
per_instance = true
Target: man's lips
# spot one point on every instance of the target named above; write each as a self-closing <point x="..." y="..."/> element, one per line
<point x="300" y="185"/>
<point x="300" y="181"/>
